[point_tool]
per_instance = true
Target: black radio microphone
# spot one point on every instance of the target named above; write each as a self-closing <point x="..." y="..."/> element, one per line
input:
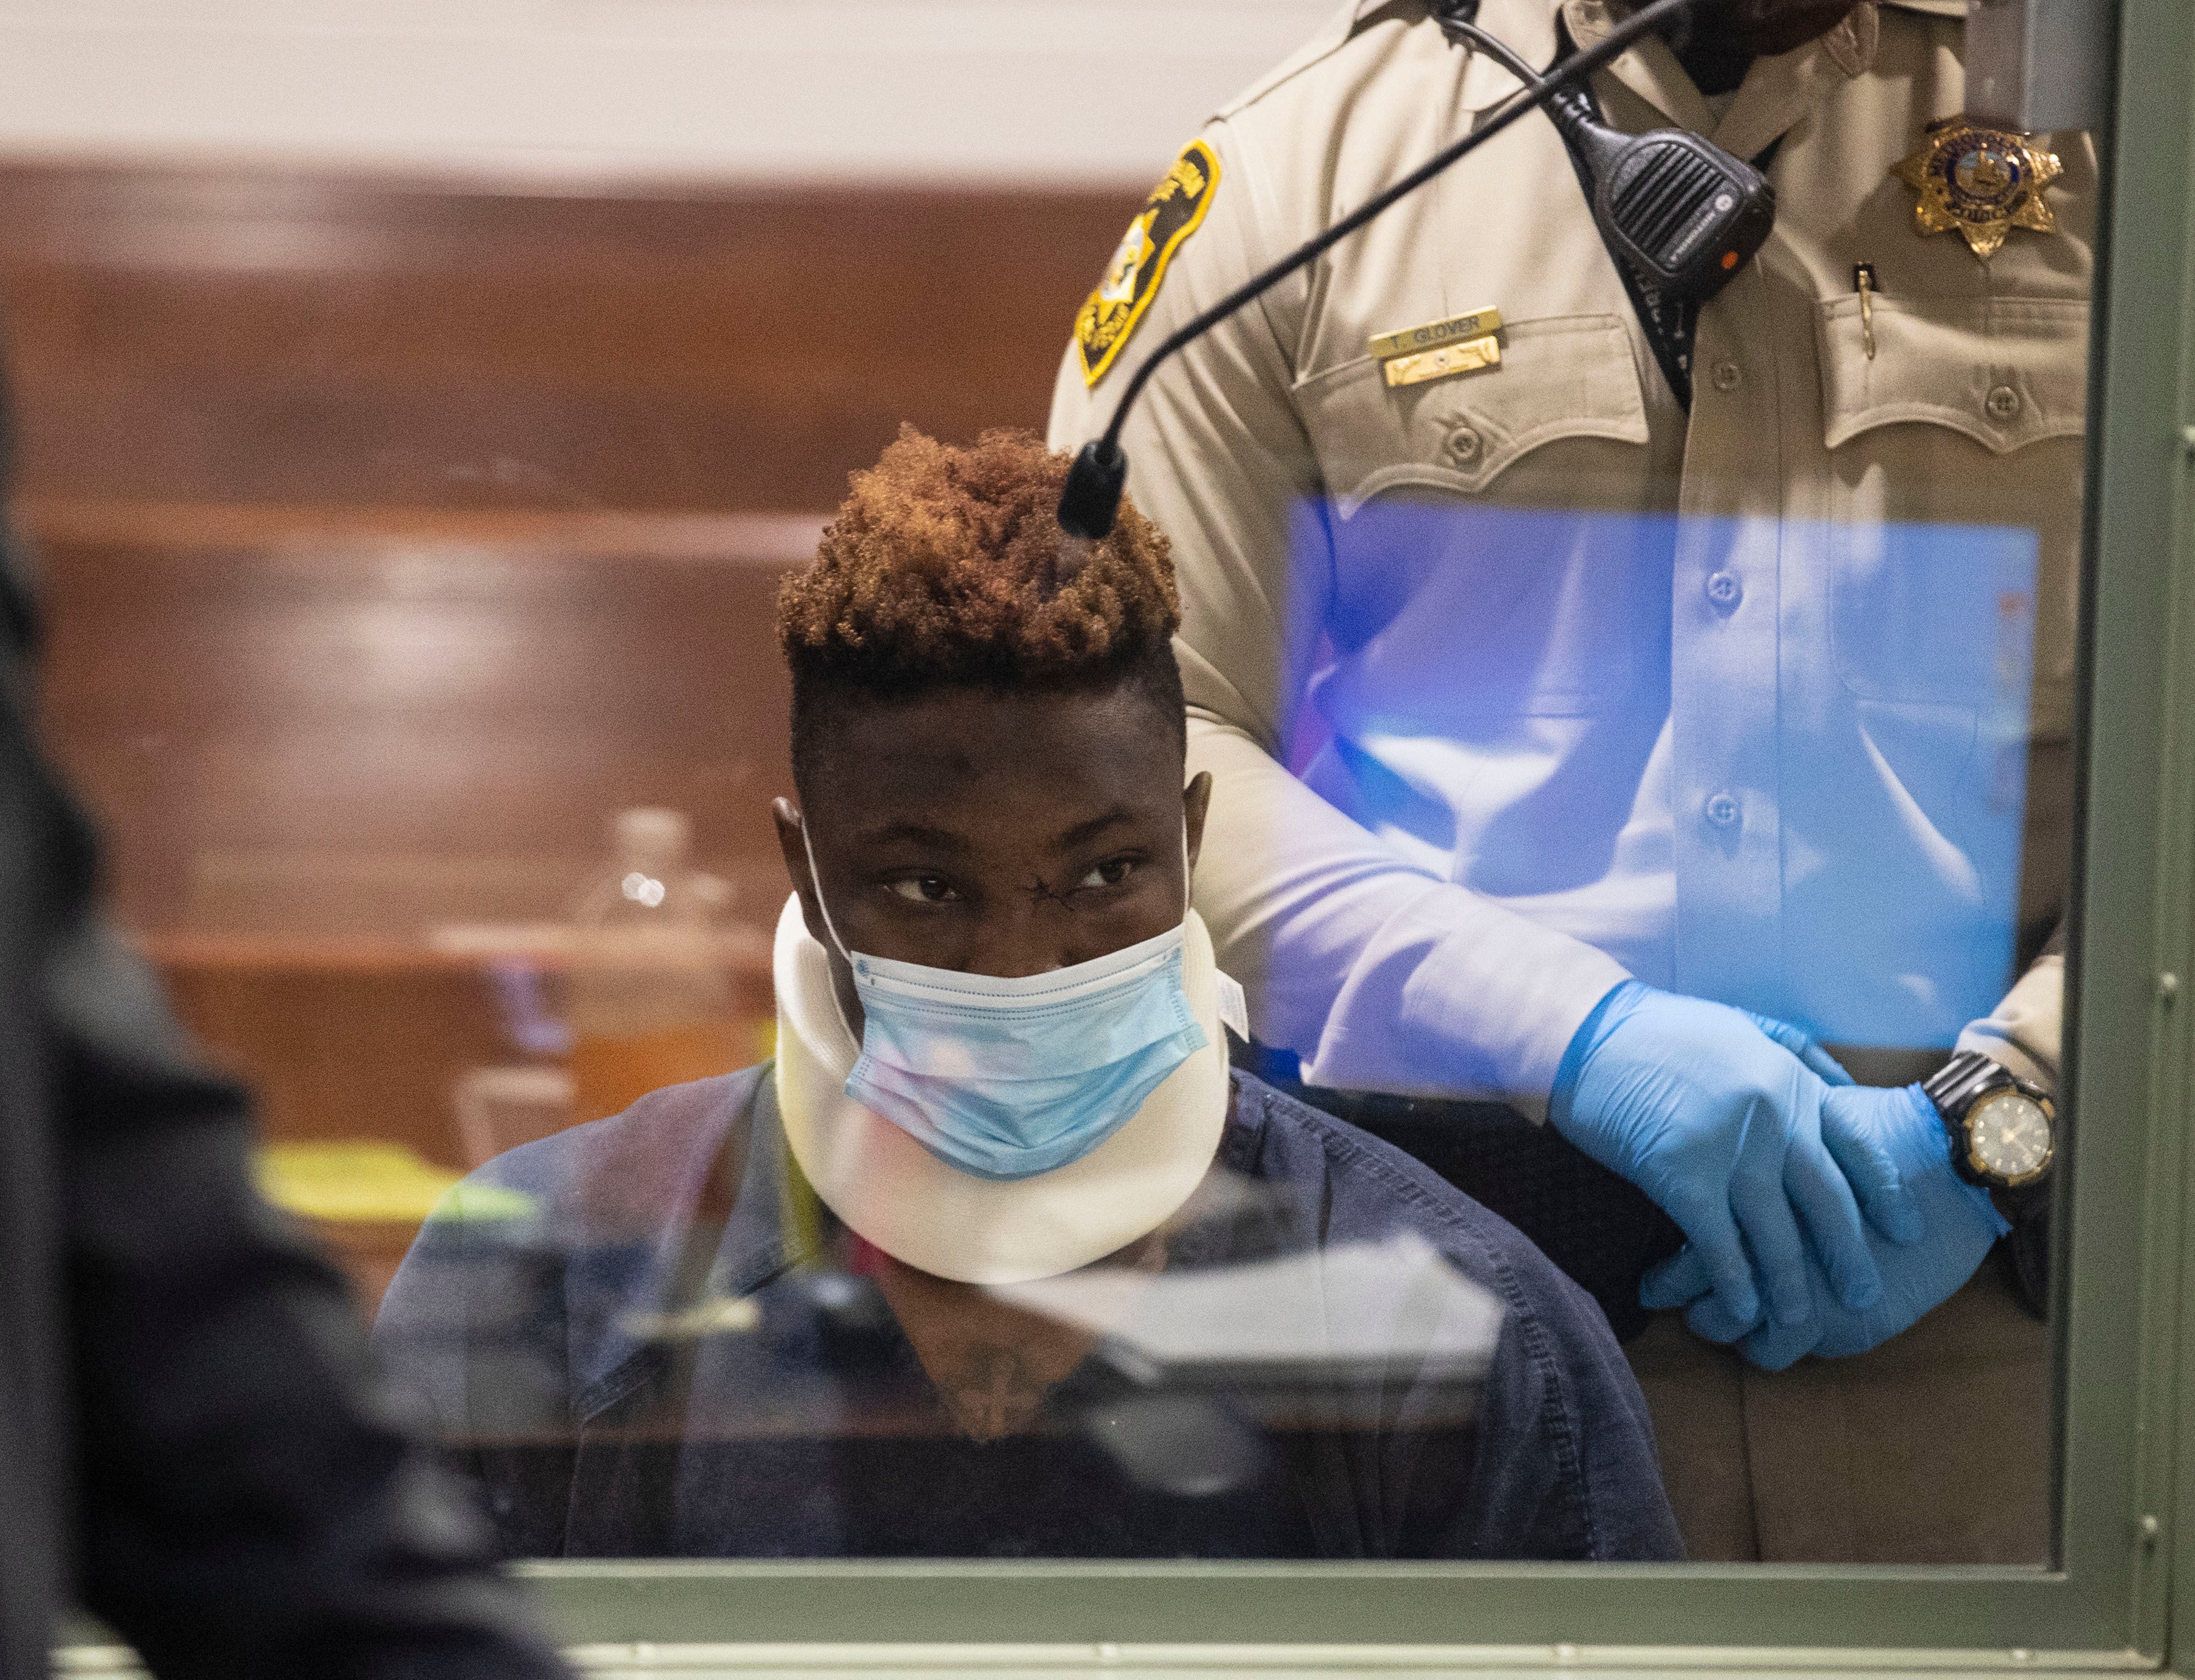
<point x="1092" y="499"/>
<point x="1683" y="213"/>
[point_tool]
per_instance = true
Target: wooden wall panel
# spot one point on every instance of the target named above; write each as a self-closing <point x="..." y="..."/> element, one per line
<point x="342" y="1041"/>
<point x="269" y="338"/>
<point x="396" y="534"/>
<point x="366" y="669"/>
<point x="336" y="717"/>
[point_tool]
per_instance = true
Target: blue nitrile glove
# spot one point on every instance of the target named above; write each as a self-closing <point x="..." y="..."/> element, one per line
<point x="1961" y="1223"/>
<point x="1716" y="1113"/>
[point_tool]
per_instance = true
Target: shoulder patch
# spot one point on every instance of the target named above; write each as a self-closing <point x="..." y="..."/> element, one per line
<point x="1169" y="215"/>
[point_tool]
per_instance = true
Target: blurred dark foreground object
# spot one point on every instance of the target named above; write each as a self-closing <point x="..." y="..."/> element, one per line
<point x="1599" y="1228"/>
<point x="193" y="1442"/>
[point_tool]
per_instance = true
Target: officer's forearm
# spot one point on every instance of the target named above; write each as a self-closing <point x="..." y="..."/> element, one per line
<point x="1383" y="976"/>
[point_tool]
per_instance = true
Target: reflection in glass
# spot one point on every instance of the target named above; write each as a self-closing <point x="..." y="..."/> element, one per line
<point x="1760" y="692"/>
<point x="1814" y="769"/>
<point x="650" y="1335"/>
<point x="1837" y="844"/>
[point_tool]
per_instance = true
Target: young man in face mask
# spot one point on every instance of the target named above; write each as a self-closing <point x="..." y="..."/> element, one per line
<point x="940" y="1280"/>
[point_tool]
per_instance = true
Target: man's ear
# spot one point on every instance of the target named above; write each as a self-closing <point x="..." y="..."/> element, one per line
<point x="1195" y="801"/>
<point x="794" y="849"/>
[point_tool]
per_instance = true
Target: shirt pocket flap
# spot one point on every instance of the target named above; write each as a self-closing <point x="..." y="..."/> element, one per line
<point x="2006" y="371"/>
<point x="1561" y="377"/>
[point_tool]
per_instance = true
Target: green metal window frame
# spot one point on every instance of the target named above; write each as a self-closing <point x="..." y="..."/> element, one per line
<point x="2125" y="1469"/>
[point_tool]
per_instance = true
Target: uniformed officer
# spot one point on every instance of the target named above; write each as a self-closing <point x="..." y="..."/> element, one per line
<point x="1579" y="672"/>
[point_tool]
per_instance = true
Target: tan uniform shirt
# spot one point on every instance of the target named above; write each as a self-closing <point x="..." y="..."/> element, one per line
<point x="1608" y="693"/>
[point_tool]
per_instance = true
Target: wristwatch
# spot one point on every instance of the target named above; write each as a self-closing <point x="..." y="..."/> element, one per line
<point x="2003" y="1128"/>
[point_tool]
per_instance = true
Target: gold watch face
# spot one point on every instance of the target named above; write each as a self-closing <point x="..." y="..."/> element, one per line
<point x="2008" y="1136"/>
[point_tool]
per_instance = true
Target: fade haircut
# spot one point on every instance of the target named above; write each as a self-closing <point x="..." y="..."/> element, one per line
<point x="947" y="568"/>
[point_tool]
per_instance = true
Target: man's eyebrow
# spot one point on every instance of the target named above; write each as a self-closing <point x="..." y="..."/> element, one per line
<point x="913" y="834"/>
<point x="1084" y="832"/>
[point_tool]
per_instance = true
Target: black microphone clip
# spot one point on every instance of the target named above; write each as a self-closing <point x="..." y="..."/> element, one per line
<point x="1092" y="499"/>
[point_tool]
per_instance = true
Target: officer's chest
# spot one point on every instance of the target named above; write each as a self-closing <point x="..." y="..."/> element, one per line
<point x="1575" y="412"/>
<point x="1571" y="411"/>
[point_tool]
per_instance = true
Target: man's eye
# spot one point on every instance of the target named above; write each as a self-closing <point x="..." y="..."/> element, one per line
<point x="1109" y="873"/>
<point x="924" y="890"/>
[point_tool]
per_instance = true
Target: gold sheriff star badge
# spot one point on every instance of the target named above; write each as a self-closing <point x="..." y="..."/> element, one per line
<point x="1982" y="182"/>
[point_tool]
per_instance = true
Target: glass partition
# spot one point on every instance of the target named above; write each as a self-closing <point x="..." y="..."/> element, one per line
<point x="1532" y="1012"/>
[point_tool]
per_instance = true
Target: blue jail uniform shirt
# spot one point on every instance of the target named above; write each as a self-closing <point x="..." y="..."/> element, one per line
<point x="547" y="1318"/>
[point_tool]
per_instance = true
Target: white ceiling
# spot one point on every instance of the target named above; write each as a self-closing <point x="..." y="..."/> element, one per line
<point x="981" y="90"/>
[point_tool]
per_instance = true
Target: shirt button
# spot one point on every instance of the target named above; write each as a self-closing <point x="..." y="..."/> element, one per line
<point x="1727" y="376"/>
<point x="1725" y="590"/>
<point x="2002" y="403"/>
<point x="1464" y="444"/>
<point x="1722" y="810"/>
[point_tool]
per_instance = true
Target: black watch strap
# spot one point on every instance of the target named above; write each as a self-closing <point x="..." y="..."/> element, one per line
<point x="1955" y="1086"/>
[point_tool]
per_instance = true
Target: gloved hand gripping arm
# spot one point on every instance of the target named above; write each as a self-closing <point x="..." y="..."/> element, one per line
<point x="1961" y="1221"/>
<point x="1718" y="1115"/>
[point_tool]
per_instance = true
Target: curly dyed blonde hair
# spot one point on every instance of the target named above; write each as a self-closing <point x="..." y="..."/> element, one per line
<point x="946" y="567"/>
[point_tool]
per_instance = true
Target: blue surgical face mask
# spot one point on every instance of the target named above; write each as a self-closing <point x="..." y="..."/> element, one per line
<point x="1006" y="1078"/>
